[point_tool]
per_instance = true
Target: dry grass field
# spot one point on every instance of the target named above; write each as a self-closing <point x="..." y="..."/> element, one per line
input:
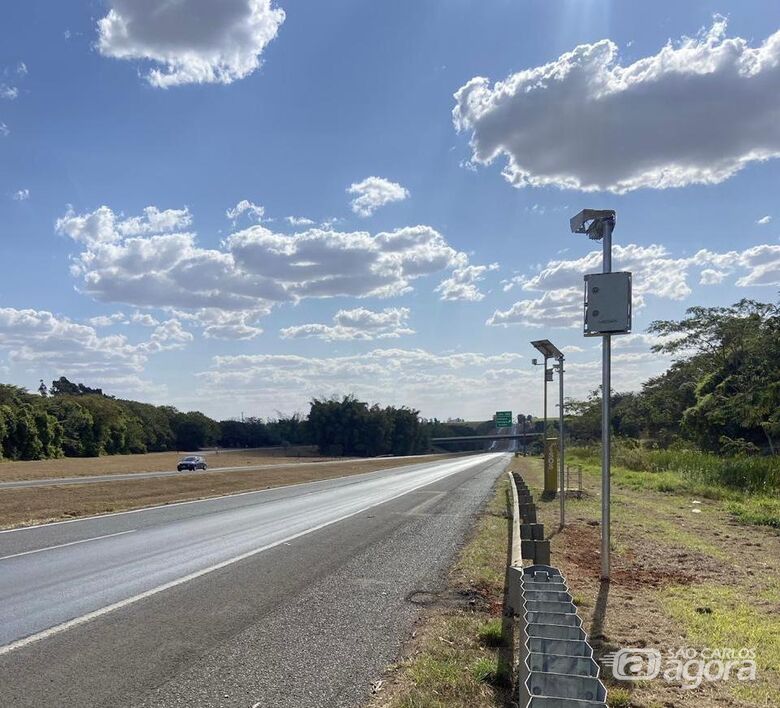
<point x="151" y="462"/>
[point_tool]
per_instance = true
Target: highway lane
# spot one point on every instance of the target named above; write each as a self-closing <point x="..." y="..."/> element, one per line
<point x="134" y="564"/>
<point x="134" y="476"/>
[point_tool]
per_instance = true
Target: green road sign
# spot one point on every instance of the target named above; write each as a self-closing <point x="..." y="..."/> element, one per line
<point x="503" y="419"/>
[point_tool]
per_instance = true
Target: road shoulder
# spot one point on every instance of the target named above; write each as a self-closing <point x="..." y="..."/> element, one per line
<point x="458" y="654"/>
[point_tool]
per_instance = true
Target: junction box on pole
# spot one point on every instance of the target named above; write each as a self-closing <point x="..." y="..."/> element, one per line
<point x="607" y="312"/>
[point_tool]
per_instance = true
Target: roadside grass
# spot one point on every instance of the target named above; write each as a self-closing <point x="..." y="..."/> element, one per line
<point x="684" y="574"/>
<point x="760" y="511"/>
<point x="755" y="502"/>
<point x="619" y="698"/>
<point x="752" y="473"/>
<point x="25" y="506"/>
<point x="716" y="616"/>
<point x="457" y="658"/>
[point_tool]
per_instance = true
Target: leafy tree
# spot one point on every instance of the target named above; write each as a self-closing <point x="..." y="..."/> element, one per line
<point x="49" y="433"/>
<point x="63" y="387"/>
<point x="77" y="427"/>
<point x="736" y="351"/>
<point x="194" y="430"/>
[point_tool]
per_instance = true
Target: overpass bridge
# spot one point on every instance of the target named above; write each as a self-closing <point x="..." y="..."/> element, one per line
<point x="484" y="438"/>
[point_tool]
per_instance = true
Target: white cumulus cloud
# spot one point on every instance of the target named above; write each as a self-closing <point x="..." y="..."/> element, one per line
<point x="108" y="320"/>
<point x="698" y="111"/>
<point x="38" y="339"/>
<point x="462" y="283"/>
<point x="254" y="211"/>
<point x="299" y="221"/>
<point x="656" y="272"/>
<point x="190" y="41"/>
<point x="359" y="323"/>
<point x="21" y="195"/>
<point x="416" y="377"/>
<point x="374" y="192"/>
<point x="154" y="261"/>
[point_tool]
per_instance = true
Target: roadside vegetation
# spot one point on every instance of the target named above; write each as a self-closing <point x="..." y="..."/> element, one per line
<point x="749" y="485"/>
<point x="685" y="574"/>
<point x="459" y="656"/>
<point x="70" y="419"/>
<point x="710" y="424"/>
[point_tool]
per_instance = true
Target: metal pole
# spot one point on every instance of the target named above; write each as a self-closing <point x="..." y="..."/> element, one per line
<point x="561" y="478"/>
<point x="544" y="432"/>
<point x="606" y="389"/>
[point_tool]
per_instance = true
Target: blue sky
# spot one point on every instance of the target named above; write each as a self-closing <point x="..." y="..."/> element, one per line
<point x="446" y="268"/>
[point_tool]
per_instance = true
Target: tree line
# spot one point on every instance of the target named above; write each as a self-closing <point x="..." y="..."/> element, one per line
<point x="721" y="393"/>
<point x="73" y="420"/>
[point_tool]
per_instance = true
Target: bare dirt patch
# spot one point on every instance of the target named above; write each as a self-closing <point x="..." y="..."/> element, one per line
<point x="636" y="567"/>
<point x="36" y="505"/>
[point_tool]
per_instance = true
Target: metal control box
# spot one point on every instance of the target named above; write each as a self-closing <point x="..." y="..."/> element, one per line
<point x="607" y="304"/>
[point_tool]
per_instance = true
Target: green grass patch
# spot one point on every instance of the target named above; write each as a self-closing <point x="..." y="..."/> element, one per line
<point x="754" y="474"/>
<point x="730" y="620"/>
<point x="485" y="669"/>
<point x="762" y="511"/>
<point x="619" y="698"/>
<point x="749" y="486"/>
<point x="492" y="634"/>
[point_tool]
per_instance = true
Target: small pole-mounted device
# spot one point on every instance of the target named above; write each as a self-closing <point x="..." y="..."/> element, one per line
<point x="607" y="312"/>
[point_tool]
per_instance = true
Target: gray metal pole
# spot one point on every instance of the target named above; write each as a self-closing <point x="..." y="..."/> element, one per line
<point x="561" y="478"/>
<point x="606" y="389"/>
<point x="544" y="430"/>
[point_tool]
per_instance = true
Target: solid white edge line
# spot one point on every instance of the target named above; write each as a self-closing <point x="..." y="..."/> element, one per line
<point x="58" y="629"/>
<point x="212" y="498"/>
<point x="62" y="545"/>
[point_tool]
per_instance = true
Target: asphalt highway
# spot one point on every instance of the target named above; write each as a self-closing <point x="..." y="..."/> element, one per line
<point x="292" y="596"/>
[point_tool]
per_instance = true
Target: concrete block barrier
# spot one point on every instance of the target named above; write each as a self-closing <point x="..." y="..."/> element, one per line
<point x="556" y="668"/>
<point x="542" y="552"/>
<point x="563" y="607"/>
<point x="559" y="669"/>
<point x="561" y="664"/>
<point x="546" y="702"/>
<point x="559" y="647"/>
<point x="566" y="686"/>
<point x="533" y="532"/>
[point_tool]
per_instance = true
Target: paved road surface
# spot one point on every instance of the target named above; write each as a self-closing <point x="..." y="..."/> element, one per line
<point x="133" y="476"/>
<point x="286" y="597"/>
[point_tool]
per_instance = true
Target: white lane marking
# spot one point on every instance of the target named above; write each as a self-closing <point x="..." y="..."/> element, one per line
<point x="57" y="629"/>
<point x="62" y="545"/>
<point x="225" y="496"/>
<point x="435" y="497"/>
